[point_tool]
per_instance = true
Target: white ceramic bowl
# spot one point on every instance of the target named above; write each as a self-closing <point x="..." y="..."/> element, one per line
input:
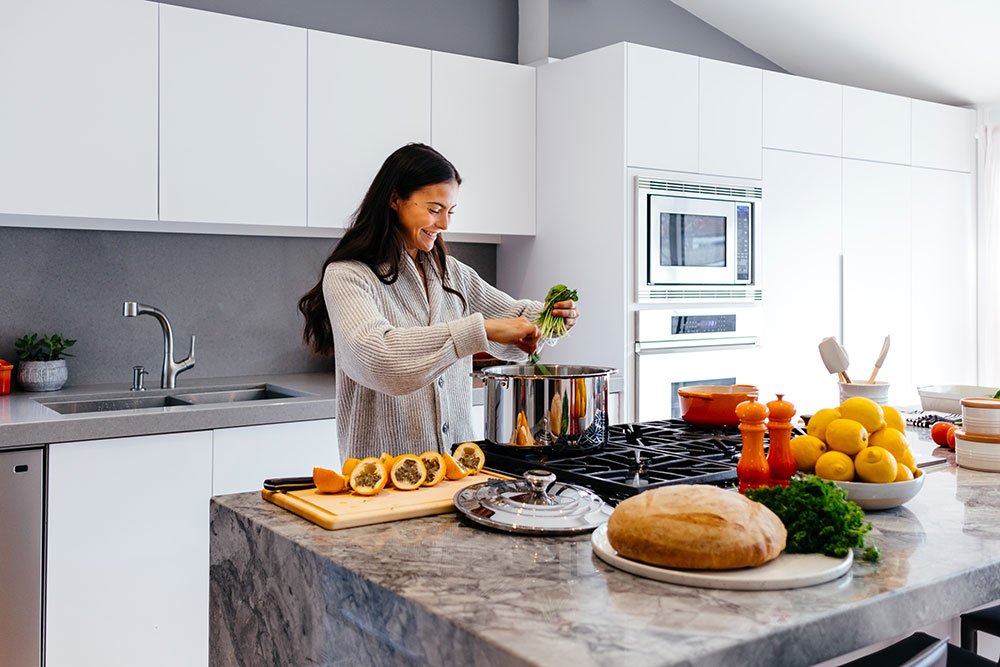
<point x="882" y="496"/>
<point x="981" y="416"/>
<point x="948" y="397"/>
<point x="976" y="452"/>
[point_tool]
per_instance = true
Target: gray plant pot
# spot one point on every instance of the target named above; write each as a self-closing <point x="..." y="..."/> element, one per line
<point x="42" y="375"/>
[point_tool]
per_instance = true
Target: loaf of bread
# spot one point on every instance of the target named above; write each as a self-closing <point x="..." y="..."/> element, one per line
<point x="695" y="527"/>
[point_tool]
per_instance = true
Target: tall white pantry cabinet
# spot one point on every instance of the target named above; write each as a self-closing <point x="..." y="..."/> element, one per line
<point x="867" y="220"/>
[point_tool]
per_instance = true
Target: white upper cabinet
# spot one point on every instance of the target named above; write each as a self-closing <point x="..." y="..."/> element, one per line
<point x="878" y="273"/>
<point x="876" y="126"/>
<point x="366" y="99"/>
<point x="662" y="109"/>
<point x="803" y="115"/>
<point x="729" y="128"/>
<point x="232" y="119"/>
<point x="78" y="109"/>
<point x="943" y="136"/>
<point x="943" y="277"/>
<point x="483" y="121"/>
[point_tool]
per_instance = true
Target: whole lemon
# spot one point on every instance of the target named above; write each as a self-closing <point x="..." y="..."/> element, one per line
<point x="807" y="449"/>
<point x="835" y="466"/>
<point x="889" y="438"/>
<point x="819" y="421"/>
<point x="847" y="436"/>
<point x="893" y="419"/>
<point x="907" y="460"/>
<point x="903" y="474"/>
<point x="876" y="465"/>
<point x="863" y="410"/>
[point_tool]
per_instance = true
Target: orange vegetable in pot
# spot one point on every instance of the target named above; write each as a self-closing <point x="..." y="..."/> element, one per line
<point x="368" y="477"/>
<point x="407" y="473"/>
<point x="434" y="464"/>
<point x="328" y="481"/>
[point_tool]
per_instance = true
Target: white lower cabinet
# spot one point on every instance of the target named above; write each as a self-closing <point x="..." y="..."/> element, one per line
<point x="128" y="535"/>
<point x="127" y="552"/>
<point x="245" y="456"/>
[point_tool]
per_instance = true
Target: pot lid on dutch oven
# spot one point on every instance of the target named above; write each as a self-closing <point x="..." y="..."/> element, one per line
<point x="536" y="504"/>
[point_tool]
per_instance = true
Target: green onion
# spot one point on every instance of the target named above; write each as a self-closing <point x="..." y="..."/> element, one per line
<point x="552" y="326"/>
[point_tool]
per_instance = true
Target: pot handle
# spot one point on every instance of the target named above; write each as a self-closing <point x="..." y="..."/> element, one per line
<point x="482" y="377"/>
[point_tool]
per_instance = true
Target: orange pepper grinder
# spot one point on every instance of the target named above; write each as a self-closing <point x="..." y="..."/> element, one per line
<point x="752" y="470"/>
<point x="779" y="430"/>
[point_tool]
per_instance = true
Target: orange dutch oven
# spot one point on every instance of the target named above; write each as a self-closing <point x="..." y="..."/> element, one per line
<point x="714" y="405"/>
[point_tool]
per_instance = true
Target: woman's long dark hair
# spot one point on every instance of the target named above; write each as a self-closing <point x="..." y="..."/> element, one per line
<point x="375" y="236"/>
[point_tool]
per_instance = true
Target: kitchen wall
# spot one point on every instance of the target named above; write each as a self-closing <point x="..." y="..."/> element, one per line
<point x="237" y="294"/>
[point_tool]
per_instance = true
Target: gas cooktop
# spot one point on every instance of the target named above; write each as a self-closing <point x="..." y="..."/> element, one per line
<point x="637" y="457"/>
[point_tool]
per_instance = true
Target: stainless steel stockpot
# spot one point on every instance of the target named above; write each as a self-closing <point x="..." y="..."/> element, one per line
<point x="544" y="406"/>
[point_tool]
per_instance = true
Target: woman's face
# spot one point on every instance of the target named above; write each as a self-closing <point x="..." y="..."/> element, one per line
<point x="425" y="214"/>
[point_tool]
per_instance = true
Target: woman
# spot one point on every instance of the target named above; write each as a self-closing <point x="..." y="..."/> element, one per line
<point x="403" y="318"/>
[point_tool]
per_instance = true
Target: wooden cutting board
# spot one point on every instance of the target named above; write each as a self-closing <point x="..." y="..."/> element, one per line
<point x="334" y="511"/>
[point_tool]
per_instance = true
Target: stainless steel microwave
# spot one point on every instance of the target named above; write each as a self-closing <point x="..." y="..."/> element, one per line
<point x="696" y="233"/>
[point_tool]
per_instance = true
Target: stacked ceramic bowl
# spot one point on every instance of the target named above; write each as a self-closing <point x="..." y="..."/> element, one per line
<point x="977" y="443"/>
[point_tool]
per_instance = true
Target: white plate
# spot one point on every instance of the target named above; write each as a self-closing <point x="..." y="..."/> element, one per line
<point x="785" y="571"/>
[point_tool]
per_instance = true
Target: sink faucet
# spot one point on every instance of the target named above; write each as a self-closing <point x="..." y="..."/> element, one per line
<point x="171" y="368"/>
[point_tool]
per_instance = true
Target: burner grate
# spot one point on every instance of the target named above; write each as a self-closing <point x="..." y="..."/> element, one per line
<point x="637" y="457"/>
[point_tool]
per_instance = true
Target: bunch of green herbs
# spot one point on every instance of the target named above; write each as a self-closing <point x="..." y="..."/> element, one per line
<point x="818" y="517"/>
<point x="552" y="326"/>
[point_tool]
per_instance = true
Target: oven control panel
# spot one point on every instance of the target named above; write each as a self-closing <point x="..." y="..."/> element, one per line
<point x="698" y="326"/>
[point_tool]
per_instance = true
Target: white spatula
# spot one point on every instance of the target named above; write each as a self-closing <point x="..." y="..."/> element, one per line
<point x="835" y="358"/>
<point x="881" y="358"/>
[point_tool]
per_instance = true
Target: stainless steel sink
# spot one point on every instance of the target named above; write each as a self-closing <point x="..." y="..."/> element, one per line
<point x="238" y="394"/>
<point x="109" y="404"/>
<point x="132" y="401"/>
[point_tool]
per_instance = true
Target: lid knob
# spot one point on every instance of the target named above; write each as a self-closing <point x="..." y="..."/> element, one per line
<point x="540" y="481"/>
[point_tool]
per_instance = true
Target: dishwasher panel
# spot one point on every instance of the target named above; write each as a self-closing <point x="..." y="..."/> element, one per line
<point x="21" y="494"/>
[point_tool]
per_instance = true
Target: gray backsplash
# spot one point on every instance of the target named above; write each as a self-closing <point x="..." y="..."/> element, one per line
<point x="237" y="294"/>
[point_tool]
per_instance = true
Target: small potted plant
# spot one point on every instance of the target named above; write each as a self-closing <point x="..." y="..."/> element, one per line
<point x="42" y="366"/>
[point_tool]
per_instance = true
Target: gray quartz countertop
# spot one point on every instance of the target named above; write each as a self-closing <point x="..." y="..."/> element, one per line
<point x="437" y="591"/>
<point x="25" y="420"/>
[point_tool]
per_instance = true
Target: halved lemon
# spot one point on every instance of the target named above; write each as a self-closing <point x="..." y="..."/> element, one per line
<point x="470" y="456"/>
<point x="407" y="473"/>
<point x="368" y="477"/>
<point x="452" y="468"/>
<point x="434" y="464"/>
<point x="386" y="460"/>
<point x="328" y="481"/>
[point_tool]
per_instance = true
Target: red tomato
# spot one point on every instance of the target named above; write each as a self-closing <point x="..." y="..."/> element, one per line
<point x="951" y="436"/>
<point x="939" y="433"/>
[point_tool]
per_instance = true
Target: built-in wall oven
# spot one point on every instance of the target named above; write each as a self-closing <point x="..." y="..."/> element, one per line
<point x="698" y="311"/>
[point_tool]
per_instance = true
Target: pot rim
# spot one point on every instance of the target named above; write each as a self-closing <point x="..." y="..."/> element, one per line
<point x="508" y="371"/>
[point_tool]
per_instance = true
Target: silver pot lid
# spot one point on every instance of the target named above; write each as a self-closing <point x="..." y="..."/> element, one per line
<point x="537" y="505"/>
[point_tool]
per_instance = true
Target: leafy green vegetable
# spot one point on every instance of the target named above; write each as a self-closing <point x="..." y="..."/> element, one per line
<point x="550" y="325"/>
<point x="997" y="395"/>
<point x="818" y="517"/>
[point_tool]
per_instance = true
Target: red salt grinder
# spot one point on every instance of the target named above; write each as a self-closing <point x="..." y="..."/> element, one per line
<point x="779" y="430"/>
<point x="752" y="470"/>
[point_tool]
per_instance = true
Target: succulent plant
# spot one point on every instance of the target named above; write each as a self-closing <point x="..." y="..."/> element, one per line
<point x="31" y="347"/>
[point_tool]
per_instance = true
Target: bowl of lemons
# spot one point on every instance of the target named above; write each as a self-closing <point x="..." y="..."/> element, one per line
<point x="861" y="447"/>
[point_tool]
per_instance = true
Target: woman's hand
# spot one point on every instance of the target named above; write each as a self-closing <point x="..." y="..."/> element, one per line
<point x="568" y="311"/>
<point x="519" y="331"/>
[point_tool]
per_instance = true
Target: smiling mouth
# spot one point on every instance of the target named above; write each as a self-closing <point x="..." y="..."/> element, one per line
<point x="432" y="237"/>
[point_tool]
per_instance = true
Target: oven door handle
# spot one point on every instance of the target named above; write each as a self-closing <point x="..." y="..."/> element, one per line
<point x="666" y="347"/>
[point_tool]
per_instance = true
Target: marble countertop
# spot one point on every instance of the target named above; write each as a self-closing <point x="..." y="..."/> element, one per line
<point x="502" y="599"/>
<point x="24" y="419"/>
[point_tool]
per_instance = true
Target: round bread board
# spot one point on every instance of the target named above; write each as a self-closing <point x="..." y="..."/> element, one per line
<point x="785" y="571"/>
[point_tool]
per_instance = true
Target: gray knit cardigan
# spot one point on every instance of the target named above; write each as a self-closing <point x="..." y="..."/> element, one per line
<point x="404" y="356"/>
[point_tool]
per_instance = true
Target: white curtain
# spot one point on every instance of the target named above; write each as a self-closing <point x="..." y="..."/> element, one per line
<point x="988" y="260"/>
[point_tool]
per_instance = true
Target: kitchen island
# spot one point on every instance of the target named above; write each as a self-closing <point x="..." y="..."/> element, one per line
<point x="437" y="591"/>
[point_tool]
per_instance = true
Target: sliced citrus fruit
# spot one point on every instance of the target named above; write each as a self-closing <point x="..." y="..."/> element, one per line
<point x="328" y="481"/>
<point x="452" y="468"/>
<point x="434" y="465"/>
<point x="407" y="473"/>
<point x="349" y="466"/>
<point x="368" y="477"/>
<point x="470" y="456"/>
<point x="386" y="460"/>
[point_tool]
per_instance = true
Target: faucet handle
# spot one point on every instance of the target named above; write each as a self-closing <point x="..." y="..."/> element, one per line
<point x="189" y="361"/>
